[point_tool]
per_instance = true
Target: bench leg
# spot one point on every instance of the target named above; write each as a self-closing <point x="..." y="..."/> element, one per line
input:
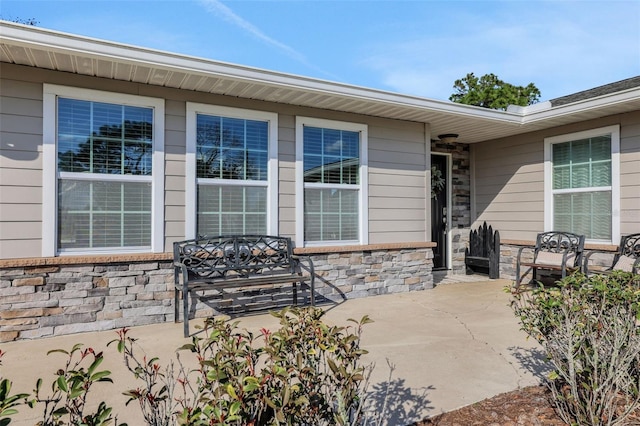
<point x="185" y="311"/>
<point x="176" y="305"/>
<point x="295" y="293"/>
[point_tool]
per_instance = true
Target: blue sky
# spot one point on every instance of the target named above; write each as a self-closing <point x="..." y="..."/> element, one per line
<point x="415" y="47"/>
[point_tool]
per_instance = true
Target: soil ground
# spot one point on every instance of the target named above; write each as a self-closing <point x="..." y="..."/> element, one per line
<point x="529" y="406"/>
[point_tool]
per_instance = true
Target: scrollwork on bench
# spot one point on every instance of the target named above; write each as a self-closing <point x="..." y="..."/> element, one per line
<point x="236" y="261"/>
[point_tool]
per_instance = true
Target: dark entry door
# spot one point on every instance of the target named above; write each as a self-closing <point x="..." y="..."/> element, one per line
<point x="439" y="205"/>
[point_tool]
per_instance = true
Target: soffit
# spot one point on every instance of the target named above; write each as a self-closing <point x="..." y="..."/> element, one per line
<point x="36" y="47"/>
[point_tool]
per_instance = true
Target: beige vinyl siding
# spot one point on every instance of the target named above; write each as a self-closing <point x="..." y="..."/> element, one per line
<point x="397" y="160"/>
<point x="509" y="185"/>
<point x="286" y="200"/>
<point x="508" y="189"/>
<point x="174" y="147"/>
<point x="630" y="173"/>
<point x="397" y="181"/>
<point x="287" y="175"/>
<point x="20" y="165"/>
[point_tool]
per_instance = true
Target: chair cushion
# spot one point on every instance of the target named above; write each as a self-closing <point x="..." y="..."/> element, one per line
<point x="624" y="263"/>
<point x="552" y="259"/>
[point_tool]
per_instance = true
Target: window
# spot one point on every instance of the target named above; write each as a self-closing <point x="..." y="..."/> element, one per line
<point x="331" y="182"/>
<point x="102" y="173"/>
<point x="232" y="171"/>
<point x="582" y="184"/>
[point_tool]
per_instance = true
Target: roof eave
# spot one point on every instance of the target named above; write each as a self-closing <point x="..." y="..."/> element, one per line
<point x="474" y="124"/>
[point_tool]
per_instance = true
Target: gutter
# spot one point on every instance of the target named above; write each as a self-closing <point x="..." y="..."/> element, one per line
<point x="54" y="41"/>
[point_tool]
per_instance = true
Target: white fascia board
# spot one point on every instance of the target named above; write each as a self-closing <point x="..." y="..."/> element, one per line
<point x="49" y="40"/>
<point x="524" y="110"/>
<point x="582" y="106"/>
<point x="55" y="41"/>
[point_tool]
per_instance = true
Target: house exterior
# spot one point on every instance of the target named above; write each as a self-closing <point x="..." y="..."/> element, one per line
<point x="109" y="153"/>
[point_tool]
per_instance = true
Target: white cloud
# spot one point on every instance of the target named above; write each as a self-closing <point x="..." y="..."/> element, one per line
<point x="218" y="8"/>
<point x="562" y="50"/>
<point x="228" y="15"/>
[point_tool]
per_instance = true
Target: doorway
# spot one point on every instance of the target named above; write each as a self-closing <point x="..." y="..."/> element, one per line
<point x="440" y="210"/>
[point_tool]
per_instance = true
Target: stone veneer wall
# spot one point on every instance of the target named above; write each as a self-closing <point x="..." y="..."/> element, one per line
<point x="461" y="199"/>
<point x="41" y="299"/>
<point x="57" y="296"/>
<point x="351" y="274"/>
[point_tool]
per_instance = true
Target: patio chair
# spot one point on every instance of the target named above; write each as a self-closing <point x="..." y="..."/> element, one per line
<point x="555" y="254"/>
<point x="627" y="258"/>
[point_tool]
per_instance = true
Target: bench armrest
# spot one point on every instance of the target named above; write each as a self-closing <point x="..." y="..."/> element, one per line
<point x="180" y="269"/>
<point x="297" y="258"/>
<point x="312" y="274"/>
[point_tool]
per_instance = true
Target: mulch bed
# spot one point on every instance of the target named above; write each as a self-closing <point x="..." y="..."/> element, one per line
<point x="529" y="406"/>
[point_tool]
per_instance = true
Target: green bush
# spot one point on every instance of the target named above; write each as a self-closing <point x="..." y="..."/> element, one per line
<point x="9" y="402"/>
<point x="66" y="404"/>
<point x="588" y="327"/>
<point x="305" y="373"/>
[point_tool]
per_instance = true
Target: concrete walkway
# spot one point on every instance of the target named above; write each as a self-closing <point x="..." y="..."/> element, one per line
<point x="451" y="346"/>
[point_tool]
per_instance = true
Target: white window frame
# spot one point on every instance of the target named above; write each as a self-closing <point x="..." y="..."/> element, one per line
<point x="362" y="187"/>
<point x="614" y="132"/>
<point x="192" y="180"/>
<point x="50" y="174"/>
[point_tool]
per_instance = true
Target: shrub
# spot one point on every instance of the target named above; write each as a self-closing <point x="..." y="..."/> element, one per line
<point x="9" y="402"/>
<point x="66" y="405"/>
<point x="588" y="327"/>
<point x="305" y="373"/>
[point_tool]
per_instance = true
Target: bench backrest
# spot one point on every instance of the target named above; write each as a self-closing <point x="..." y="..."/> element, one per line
<point x="237" y="255"/>
<point x="562" y="244"/>
<point x="483" y="242"/>
<point x="629" y="246"/>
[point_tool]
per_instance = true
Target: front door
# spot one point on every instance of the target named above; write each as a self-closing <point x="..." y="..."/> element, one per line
<point x="439" y="207"/>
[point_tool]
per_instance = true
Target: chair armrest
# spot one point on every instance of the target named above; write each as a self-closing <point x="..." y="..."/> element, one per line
<point x="586" y="260"/>
<point x="591" y="253"/>
<point x="520" y="250"/>
<point x="518" y="257"/>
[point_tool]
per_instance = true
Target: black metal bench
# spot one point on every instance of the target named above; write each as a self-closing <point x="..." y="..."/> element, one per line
<point x="627" y="258"/>
<point x="483" y="253"/>
<point x="224" y="262"/>
<point x="555" y="253"/>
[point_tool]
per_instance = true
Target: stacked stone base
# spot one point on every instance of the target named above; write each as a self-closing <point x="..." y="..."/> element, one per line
<point x="354" y="274"/>
<point x="51" y="297"/>
<point x="44" y="301"/>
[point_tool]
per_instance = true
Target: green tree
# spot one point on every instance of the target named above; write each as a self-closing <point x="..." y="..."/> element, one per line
<point x="489" y="91"/>
<point x="27" y="21"/>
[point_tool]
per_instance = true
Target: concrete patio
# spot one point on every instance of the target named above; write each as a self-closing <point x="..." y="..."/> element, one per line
<point x="451" y="346"/>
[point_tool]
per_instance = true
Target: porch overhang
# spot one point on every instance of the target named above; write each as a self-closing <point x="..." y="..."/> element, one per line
<point x="53" y="50"/>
